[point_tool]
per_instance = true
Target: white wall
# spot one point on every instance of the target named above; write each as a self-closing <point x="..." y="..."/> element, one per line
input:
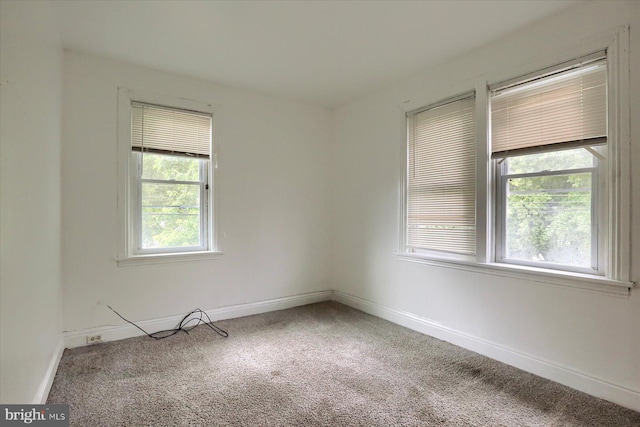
<point x="590" y="333"/>
<point x="272" y="184"/>
<point x="30" y="117"/>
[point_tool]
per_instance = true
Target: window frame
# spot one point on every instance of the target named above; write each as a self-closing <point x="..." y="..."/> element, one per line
<point x="129" y="187"/>
<point x="617" y="280"/>
<point x="501" y="183"/>
<point x="136" y="200"/>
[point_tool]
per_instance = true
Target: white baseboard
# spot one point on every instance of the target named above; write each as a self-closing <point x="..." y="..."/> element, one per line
<point x="562" y="374"/>
<point x="45" y="386"/>
<point x="113" y="333"/>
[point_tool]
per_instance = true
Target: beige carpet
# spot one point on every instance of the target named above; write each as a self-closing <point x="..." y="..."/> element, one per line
<point x="318" y="365"/>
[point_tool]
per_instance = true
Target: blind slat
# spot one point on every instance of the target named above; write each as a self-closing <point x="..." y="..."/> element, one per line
<point x="568" y="106"/>
<point x="441" y="178"/>
<point x="167" y="130"/>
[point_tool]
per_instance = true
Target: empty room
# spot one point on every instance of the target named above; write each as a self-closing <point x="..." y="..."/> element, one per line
<point x="320" y="213"/>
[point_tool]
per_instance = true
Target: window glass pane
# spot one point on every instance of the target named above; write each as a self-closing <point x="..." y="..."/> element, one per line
<point x="548" y="219"/>
<point x="550" y="161"/>
<point x="178" y="168"/>
<point x="170" y="215"/>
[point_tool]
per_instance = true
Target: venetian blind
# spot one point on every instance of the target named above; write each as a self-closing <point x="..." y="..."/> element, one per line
<point x="441" y="178"/>
<point x="170" y="131"/>
<point x="567" y="107"/>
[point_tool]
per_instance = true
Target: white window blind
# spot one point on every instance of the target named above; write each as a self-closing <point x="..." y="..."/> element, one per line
<point x="441" y="178"/>
<point x="568" y="107"/>
<point x="170" y="131"/>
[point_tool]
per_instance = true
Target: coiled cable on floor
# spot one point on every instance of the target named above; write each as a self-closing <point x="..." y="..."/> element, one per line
<point x="182" y="326"/>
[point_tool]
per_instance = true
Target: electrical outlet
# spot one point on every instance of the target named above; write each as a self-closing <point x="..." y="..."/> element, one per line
<point x="94" y="339"/>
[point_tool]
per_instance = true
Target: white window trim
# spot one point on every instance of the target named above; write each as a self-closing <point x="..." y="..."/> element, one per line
<point x="618" y="280"/>
<point x="126" y="235"/>
<point x="586" y="282"/>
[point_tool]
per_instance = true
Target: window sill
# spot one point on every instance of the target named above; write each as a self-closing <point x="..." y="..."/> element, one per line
<point x="168" y="258"/>
<point x="586" y="282"/>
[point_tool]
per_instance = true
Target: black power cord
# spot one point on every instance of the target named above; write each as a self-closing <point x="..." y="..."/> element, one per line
<point x="182" y="326"/>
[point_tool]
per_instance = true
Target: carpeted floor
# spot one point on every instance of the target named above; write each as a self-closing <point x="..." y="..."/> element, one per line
<point x="319" y="365"/>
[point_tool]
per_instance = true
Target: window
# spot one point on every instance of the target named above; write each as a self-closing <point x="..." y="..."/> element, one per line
<point x="440" y="181"/>
<point x="548" y="143"/>
<point x="169" y="191"/>
<point x="538" y="187"/>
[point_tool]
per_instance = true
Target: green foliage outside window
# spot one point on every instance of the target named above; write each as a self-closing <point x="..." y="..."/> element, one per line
<point x="549" y="217"/>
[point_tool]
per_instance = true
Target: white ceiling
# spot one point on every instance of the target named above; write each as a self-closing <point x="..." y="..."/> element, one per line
<point x="323" y="52"/>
